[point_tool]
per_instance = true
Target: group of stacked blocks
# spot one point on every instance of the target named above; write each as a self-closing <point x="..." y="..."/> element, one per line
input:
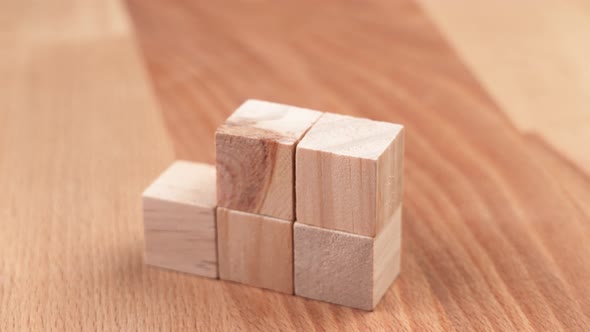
<point x="299" y="202"/>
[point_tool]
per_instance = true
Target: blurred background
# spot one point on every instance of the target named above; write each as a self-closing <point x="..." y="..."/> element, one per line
<point x="98" y="96"/>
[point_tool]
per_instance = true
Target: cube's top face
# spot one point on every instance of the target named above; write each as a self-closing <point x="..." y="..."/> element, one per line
<point x="187" y="183"/>
<point x="269" y="121"/>
<point x="350" y="136"/>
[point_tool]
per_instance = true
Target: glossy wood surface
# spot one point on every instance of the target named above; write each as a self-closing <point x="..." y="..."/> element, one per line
<point x="496" y="221"/>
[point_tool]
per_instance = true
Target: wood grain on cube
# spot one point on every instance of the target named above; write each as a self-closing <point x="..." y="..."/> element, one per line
<point x="344" y="268"/>
<point x="179" y="219"/>
<point x="255" y="250"/>
<point x="349" y="174"/>
<point x="255" y="157"/>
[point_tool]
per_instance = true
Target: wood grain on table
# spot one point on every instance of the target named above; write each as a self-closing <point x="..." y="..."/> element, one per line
<point x="496" y="221"/>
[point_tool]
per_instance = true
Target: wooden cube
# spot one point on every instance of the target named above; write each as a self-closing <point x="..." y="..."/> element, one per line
<point x="346" y="269"/>
<point x="349" y="174"/>
<point x="255" y="157"/>
<point x="179" y="219"/>
<point x="255" y="250"/>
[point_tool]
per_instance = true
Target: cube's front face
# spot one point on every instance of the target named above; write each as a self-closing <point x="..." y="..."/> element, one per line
<point x="255" y="250"/>
<point x="180" y="237"/>
<point x="336" y="192"/>
<point x="255" y="175"/>
<point x="333" y="266"/>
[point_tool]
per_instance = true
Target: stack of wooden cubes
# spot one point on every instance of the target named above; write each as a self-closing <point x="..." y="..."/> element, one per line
<point x="301" y="202"/>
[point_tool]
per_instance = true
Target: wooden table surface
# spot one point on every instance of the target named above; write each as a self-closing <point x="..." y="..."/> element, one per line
<point x="98" y="96"/>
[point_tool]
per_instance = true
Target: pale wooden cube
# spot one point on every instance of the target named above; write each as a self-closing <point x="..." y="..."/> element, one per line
<point x="255" y="250"/>
<point x="349" y="174"/>
<point x="255" y="157"/>
<point x="346" y="269"/>
<point x="179" y="219"/>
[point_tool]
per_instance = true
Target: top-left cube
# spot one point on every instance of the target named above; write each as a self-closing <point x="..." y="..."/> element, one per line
<point x="256" y="157"/>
